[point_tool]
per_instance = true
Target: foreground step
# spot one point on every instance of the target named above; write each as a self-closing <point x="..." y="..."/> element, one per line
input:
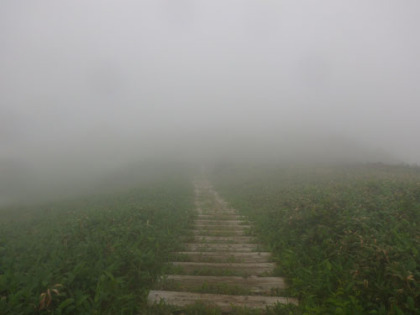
<point x="253" y="284"/>
<point x="228" y="268"/>
<point x="244" y="257"/>
<point x="224" y="302"/>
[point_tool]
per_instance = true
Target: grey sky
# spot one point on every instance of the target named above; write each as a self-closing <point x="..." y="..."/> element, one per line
<point x="102" y="81"/>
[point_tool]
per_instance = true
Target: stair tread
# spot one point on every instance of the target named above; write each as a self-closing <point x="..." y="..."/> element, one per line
<point x="223" y="301"/>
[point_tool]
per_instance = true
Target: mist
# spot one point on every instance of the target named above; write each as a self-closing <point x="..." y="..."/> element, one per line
<point x="88" y="88"/>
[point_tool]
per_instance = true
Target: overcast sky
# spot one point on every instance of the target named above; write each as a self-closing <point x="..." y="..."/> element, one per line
<point x="104" y="81"/>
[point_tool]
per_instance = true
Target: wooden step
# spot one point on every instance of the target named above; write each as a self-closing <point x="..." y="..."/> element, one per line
<point x="224" y="239"/>
<point x="234" y="268"/>
<point x="224" y="302"/>
<point x="224" y="227"/>
<point x="205" y="232"/>
<point x="222" y="247"/>
<point x="221" y="222"/>
<point x="221" y="216"/>
<point x="222" y="259"/>
<point x="216" y="212"/>
<point x="253" y="284"/>
<point x="245" y="257"/>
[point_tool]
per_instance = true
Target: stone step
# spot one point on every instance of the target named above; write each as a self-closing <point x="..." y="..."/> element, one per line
<point x="224" y="302"/>
<point x="228" y="268"/>
<point x="244" y="257"/>
<point x="252" y="284"/>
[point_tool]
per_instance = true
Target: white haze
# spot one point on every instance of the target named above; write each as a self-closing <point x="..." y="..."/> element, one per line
<point x="87" y="87"/>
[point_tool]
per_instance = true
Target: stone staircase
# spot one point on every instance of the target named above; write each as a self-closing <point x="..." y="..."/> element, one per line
<point x="223" y="266"/>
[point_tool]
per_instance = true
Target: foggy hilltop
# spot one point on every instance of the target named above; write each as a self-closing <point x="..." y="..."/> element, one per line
<point x="88" y="88"/>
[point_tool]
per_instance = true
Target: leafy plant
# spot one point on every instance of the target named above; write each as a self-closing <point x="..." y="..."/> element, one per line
<point x="348" y="238"/>
<point x="96" y="255"/>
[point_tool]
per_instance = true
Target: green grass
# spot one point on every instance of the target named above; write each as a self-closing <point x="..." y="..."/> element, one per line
<point x="97" y="255"/>
<point x="348" y="238"/>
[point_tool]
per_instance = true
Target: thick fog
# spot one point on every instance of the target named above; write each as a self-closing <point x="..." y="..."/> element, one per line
<point x="87" y="87"/>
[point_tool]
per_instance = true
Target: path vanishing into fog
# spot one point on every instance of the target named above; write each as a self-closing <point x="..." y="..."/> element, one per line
<point x="223" y="266"/>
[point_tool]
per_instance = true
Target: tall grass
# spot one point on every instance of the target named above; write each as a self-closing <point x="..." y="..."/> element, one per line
<point x="97" y="255"/>
<point x="348" y="238"/>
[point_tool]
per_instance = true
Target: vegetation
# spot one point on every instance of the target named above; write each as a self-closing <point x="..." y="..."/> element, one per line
<point x="347" y="238"/>
<point x="96" y="255"/>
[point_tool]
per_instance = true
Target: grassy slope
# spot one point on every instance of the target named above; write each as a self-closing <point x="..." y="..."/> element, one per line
<point x="101" y="254"/>
<point x="348" y="238"/>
